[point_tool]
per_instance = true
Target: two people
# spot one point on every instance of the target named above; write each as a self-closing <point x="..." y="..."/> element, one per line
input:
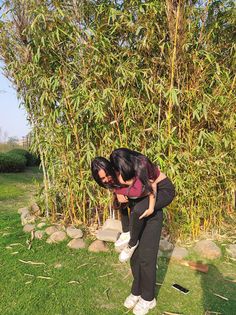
<point x="140" y="185"/>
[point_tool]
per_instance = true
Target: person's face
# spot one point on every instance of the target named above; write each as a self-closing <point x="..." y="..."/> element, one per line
<point x="106" y="179"/>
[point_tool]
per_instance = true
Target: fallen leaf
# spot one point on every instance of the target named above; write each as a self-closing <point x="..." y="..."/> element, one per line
<point x="31" y="262"/>
<point x="42" y="277"/>
<point x="108" y="274"/>
<point x="220" y="296"/>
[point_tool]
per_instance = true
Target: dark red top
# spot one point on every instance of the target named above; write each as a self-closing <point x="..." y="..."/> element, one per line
<point x="136" y="190"/>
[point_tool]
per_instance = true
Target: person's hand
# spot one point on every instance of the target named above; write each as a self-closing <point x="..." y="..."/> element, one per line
<point x="146" y="213"/>
<point x="122" y="198"/>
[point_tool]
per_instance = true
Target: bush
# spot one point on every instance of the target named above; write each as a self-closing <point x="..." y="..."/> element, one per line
<point x="31" y="159"/>
<point x="12" y="162"/>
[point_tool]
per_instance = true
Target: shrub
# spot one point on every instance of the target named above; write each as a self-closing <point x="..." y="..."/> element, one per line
<point x="12" y="162"/>
<point x="31" y="159"/>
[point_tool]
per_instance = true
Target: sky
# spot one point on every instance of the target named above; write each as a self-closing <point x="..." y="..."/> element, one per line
<point x="13" y="120"/>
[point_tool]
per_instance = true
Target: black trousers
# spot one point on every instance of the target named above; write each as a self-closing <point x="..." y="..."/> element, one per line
<point x="143" y="261"/>
<point x="124" y="216"/>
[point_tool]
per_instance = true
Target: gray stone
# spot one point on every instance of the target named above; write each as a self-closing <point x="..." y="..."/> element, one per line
<point x="41" y="224"/>
<point x="107" y="235"/>
<point x="98" y="246"/>
<point x="76" y="243"/>
<point x="207" y="249"/>
<point x="232" y="250"/>
<point x="60" y="227"/>
<point x="35" y="209"/>
<point x="31" y="219"/>
<point x="50" y="230"/>
<point x="56" y="237"/>
<point x="23" y="220"/>
<point x="49" y="241"/>
<point x="165" y="246"/>
<point x="73" y="232"/>
<point x="179" y="253"/>
<point x="112" y="224"/>
<point x="23" y="211"/>
<point x="27" y="218"/>
<point x="39" y="234"/>
<point x="28" y="228"/>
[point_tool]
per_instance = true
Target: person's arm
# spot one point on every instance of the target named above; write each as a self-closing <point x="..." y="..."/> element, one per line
<point x="149" y="211"/>
<point x="152" y="200"/>
<point x="135" y="189"/>
<point x="122" y="198"/>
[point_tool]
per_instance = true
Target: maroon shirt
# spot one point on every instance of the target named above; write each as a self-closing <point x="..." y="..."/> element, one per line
<point x="136" y="190"/>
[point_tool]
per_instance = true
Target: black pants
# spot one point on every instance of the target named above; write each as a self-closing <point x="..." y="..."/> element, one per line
<point x="143" y="262"/>
<point x="124" y="216"/>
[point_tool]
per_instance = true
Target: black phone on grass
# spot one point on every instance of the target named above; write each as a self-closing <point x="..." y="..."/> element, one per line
<point x="180" y="288"/>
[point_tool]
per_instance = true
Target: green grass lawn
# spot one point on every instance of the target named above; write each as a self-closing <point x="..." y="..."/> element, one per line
<point x="83" y="283"/>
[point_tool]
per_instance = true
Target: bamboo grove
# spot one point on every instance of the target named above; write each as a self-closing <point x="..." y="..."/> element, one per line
<point x="155" y="76"/>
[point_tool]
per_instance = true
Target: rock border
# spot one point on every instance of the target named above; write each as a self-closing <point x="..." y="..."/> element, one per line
<point x="109" y="232"/>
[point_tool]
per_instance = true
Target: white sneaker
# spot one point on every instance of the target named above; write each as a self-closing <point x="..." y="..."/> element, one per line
<point x="122" y="241"/>
<point x="143" y="306"/>
<point x="131" y="300"/>
<point x="127" y="252"/>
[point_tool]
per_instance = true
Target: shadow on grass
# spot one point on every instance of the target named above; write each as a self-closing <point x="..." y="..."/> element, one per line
<point x="162" y="269"/>
<point x="218" y="292"/>
<point x="163" y="264"/>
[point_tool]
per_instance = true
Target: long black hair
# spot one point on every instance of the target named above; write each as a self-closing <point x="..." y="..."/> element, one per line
<point x="102" y="163"/>
<point x="132" y="164"/>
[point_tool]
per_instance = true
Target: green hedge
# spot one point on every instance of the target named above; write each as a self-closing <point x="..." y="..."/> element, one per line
<point x="31" y="159"/>
<point x="12" y="162"/>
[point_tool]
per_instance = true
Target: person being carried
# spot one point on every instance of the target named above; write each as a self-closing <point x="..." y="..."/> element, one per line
<point x="124" y="193"/>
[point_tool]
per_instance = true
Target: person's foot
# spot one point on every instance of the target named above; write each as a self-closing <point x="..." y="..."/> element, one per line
<point x="143" y="306"/>
<point x="131" y="300"/>
<point x="122" y="241"/>
<point x="127" y="252"/>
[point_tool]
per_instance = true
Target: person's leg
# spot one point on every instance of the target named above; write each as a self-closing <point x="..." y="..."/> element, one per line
<point x="124" y="237"/>
<point x="135" y="268"/>
<point x="139" y="207"/>
<point x="150" y="238"/>
<point x="165" y="194"/>
<point x="124" y="216"/>
<point x="148" y="249"/>
<point x="137" y="225"/>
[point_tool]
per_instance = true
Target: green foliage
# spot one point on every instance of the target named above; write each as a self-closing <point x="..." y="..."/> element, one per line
<point x="154" y="76"/>
<point x="12" y="162"/>
<point x="31" y="159"/>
